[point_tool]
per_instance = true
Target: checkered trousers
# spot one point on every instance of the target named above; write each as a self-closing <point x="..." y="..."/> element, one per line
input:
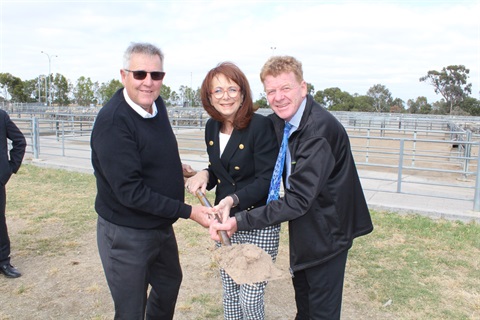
<point x="246" y="301"/>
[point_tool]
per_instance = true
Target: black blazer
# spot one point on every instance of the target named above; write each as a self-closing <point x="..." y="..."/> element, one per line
<point x="325" y="204"/>
<point x="10" y="165"/>
<point x="246" y="165"/>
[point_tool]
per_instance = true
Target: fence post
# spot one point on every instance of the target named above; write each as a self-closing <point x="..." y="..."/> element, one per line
<point x="476" y="199"/>
<point x="35" y="138"/>
<point x="63" y="138"/>
<point x="414" y="146"/>
<point x="467" y="153"/>
<point x="368" y="144"/>
<point x="400" y="166"/>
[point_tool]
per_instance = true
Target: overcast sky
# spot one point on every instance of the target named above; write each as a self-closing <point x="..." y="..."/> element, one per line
<point x="351" y="45"/>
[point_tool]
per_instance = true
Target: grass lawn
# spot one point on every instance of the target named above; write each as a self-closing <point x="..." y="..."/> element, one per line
<point x="410" y="267"/>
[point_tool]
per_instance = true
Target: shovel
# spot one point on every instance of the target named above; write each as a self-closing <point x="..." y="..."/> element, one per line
<point x="224" y="239"/>
<point x="245" y="263"/>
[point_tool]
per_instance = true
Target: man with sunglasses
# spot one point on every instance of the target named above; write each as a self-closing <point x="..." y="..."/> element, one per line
<point x="140" y="191"/>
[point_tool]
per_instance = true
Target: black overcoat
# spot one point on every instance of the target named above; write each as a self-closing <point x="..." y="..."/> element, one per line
<point x="10" y="161"/>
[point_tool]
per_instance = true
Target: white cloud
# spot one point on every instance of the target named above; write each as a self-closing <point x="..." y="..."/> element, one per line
<point x="351" y="45"/>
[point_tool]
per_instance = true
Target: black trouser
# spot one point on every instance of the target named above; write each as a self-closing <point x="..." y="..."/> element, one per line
<point x="4" y="239"/>
<point x="318" y="290"/>
<point x="132" y="260"/>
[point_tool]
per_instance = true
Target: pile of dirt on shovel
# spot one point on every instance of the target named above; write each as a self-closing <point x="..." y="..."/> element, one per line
<point x="247" y="264"/>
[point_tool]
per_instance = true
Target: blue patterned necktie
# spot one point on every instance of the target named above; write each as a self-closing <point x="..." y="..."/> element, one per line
<point x="274" y="191"/>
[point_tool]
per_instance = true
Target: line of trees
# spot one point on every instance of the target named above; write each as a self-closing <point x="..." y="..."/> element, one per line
<point x="451" y="83"/>
<point x="85" y="92"/>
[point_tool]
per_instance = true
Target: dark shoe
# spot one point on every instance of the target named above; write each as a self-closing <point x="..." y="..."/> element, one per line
<point x="9" y="271"/>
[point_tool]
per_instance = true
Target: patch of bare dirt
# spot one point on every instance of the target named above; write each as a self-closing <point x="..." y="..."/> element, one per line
<point x="72" y="285"/>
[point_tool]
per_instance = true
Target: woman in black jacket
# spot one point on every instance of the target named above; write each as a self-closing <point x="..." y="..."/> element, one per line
<point x="242" y="150"/>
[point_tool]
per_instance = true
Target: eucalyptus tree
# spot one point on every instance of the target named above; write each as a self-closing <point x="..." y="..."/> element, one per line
<point x="382" y="98"/>
<point x="84" y="92"/>
<point x="60" y="90"/>
<point x="107" y="90"/>
<point x="362" y="103"/>
<point x="440" y="107"/>
<point x="420" y="105"/>
<point x="334" y="99"/>
<point x="165" y="93"/>
<point x="471" y="105"/>
<point x="451" y="83"/>
<point x="12" y="88"/>
<point x="174" y="99"/>
<point x="261" y="102"/>
<point x="397" y="106"/>
<point x="30" y="90"/>
<point x="310" y="89"/>
<point x="187" y="95"/>
<point x="197" y="98"/>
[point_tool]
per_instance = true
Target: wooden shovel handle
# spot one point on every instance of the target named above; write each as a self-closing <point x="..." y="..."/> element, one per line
<point x="222" y="233"/>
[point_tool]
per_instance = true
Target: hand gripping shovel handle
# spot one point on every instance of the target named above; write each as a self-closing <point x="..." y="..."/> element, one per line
<point x="222" y="233"/>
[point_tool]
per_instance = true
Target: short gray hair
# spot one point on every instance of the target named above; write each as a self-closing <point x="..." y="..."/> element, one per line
<point x="142" y="48"/>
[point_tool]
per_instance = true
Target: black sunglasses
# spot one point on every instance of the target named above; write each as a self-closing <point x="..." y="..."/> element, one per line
<point x="140" y="74"/>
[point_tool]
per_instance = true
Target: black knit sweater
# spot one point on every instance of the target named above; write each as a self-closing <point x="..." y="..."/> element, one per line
<point x="137" y="167"/>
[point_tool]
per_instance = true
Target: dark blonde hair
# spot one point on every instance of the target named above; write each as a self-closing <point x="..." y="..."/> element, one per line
<point x="233" y="73"/>
<point x="282" y="64"/>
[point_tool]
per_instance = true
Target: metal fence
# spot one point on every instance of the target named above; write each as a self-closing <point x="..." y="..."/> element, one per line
<point x="416" y="154"/>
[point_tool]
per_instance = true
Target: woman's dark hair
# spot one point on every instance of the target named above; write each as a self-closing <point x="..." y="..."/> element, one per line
<point x="232" y="72"/>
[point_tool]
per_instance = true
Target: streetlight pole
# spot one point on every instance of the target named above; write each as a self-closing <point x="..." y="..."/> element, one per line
<point x="48" y="96"/>
<point x="39" y="84"/>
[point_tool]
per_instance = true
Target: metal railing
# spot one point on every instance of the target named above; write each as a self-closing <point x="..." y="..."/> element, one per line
<point x="415" y="155"/>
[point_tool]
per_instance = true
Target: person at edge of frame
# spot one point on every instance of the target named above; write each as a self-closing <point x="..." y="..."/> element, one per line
<point x="10" y="162"/>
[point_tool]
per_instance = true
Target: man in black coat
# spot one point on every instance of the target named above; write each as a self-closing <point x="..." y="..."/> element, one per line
<point x="323" y="203"/>
<point x="10" y="162"/>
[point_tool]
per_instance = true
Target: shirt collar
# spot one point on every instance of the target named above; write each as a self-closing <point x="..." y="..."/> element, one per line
<point x="138" y="109"/>
<point x="297" y="117"/>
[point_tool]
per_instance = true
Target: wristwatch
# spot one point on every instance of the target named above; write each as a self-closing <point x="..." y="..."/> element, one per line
<point x="236" y="201"/>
